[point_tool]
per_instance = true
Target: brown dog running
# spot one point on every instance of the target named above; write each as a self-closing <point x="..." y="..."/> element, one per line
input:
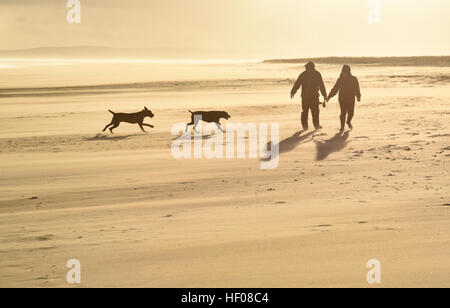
<point x="132" y="118"/>
<point x="208" y="117"/>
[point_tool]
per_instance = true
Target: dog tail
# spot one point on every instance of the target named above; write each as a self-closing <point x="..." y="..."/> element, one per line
<point x="112" y="112"/>
<point x="190" y="111"/>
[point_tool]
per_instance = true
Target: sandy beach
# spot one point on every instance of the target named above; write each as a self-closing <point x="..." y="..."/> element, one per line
<point x="137" y="217"/>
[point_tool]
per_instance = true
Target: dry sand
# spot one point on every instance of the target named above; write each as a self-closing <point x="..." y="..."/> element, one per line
<point x="136" y="217"/>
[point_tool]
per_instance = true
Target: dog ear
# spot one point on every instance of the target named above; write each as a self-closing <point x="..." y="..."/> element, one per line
<point x="145" y="108"/>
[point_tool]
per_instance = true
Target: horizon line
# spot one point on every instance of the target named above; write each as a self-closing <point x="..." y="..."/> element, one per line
<point x="191" y="58"/>
<point x="106" y="60"/>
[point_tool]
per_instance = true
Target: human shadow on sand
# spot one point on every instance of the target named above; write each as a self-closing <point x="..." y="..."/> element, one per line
<point x="291" y="143"/>
<point x="335" y="144"/>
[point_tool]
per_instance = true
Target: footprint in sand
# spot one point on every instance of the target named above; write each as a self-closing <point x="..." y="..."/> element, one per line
<point x="46" y="248"/>
<point x="44" y="238"/>
<point x="440" y="136"/>
<point x="42" y="278"/>
<point x="446" y="148"/>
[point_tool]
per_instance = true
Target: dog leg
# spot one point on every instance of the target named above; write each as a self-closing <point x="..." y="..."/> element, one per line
<point x="195" y="125"/>
<point x="190" y="123"/>
<point x="142" y="127"/>
<point x="106" y="127"/>
<point x="114" y="126"/>
<point x="148" y="125"/>
<point x="219" y="127"/>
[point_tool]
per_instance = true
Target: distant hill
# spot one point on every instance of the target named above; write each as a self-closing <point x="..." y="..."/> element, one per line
<point x="171" y="53"/>
<point x="93" y="52"/>
<point x="384" y="61"/>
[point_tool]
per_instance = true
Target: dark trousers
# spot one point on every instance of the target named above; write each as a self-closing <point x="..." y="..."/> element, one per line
<point x="313" y="105"/>
<point x="347" y="112"/>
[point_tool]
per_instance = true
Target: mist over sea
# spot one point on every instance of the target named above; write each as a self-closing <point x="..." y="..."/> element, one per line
<point x="24" y="74"/>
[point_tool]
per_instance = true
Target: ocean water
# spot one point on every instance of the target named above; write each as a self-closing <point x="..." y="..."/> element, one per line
<point x="62" y="73"/>
<point x="25" y="73"/>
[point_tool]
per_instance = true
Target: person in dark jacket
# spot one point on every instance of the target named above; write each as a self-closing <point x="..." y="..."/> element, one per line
<point x="311" y="82"/>
<point x="348" y="87"/>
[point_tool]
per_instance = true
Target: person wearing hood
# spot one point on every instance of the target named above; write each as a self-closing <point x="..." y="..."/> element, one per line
<point x="311" y="82"/>
<point x="348" y="87"/>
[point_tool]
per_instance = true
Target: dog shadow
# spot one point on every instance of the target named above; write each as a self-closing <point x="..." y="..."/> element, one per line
<point x="188" y="137"/>
<point x="101" y="137"/>
<point x="333" y="145"/>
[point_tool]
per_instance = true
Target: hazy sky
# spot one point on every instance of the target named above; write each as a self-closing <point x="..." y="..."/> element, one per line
<point x="240" y="28"/>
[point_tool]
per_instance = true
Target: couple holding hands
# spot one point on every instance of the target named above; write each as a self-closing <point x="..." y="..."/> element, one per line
<point x="311" y="82"/>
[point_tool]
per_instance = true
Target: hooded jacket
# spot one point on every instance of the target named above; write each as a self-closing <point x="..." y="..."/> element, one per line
<point x="348" y="87"/>
<point x="311" y="82"/>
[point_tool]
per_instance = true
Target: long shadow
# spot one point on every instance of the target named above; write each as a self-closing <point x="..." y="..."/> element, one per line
<point x="192" y="138"/>
<point x="291" y="143"/>
<point x="335" y="144"/>
<point x="101" y="137"/>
